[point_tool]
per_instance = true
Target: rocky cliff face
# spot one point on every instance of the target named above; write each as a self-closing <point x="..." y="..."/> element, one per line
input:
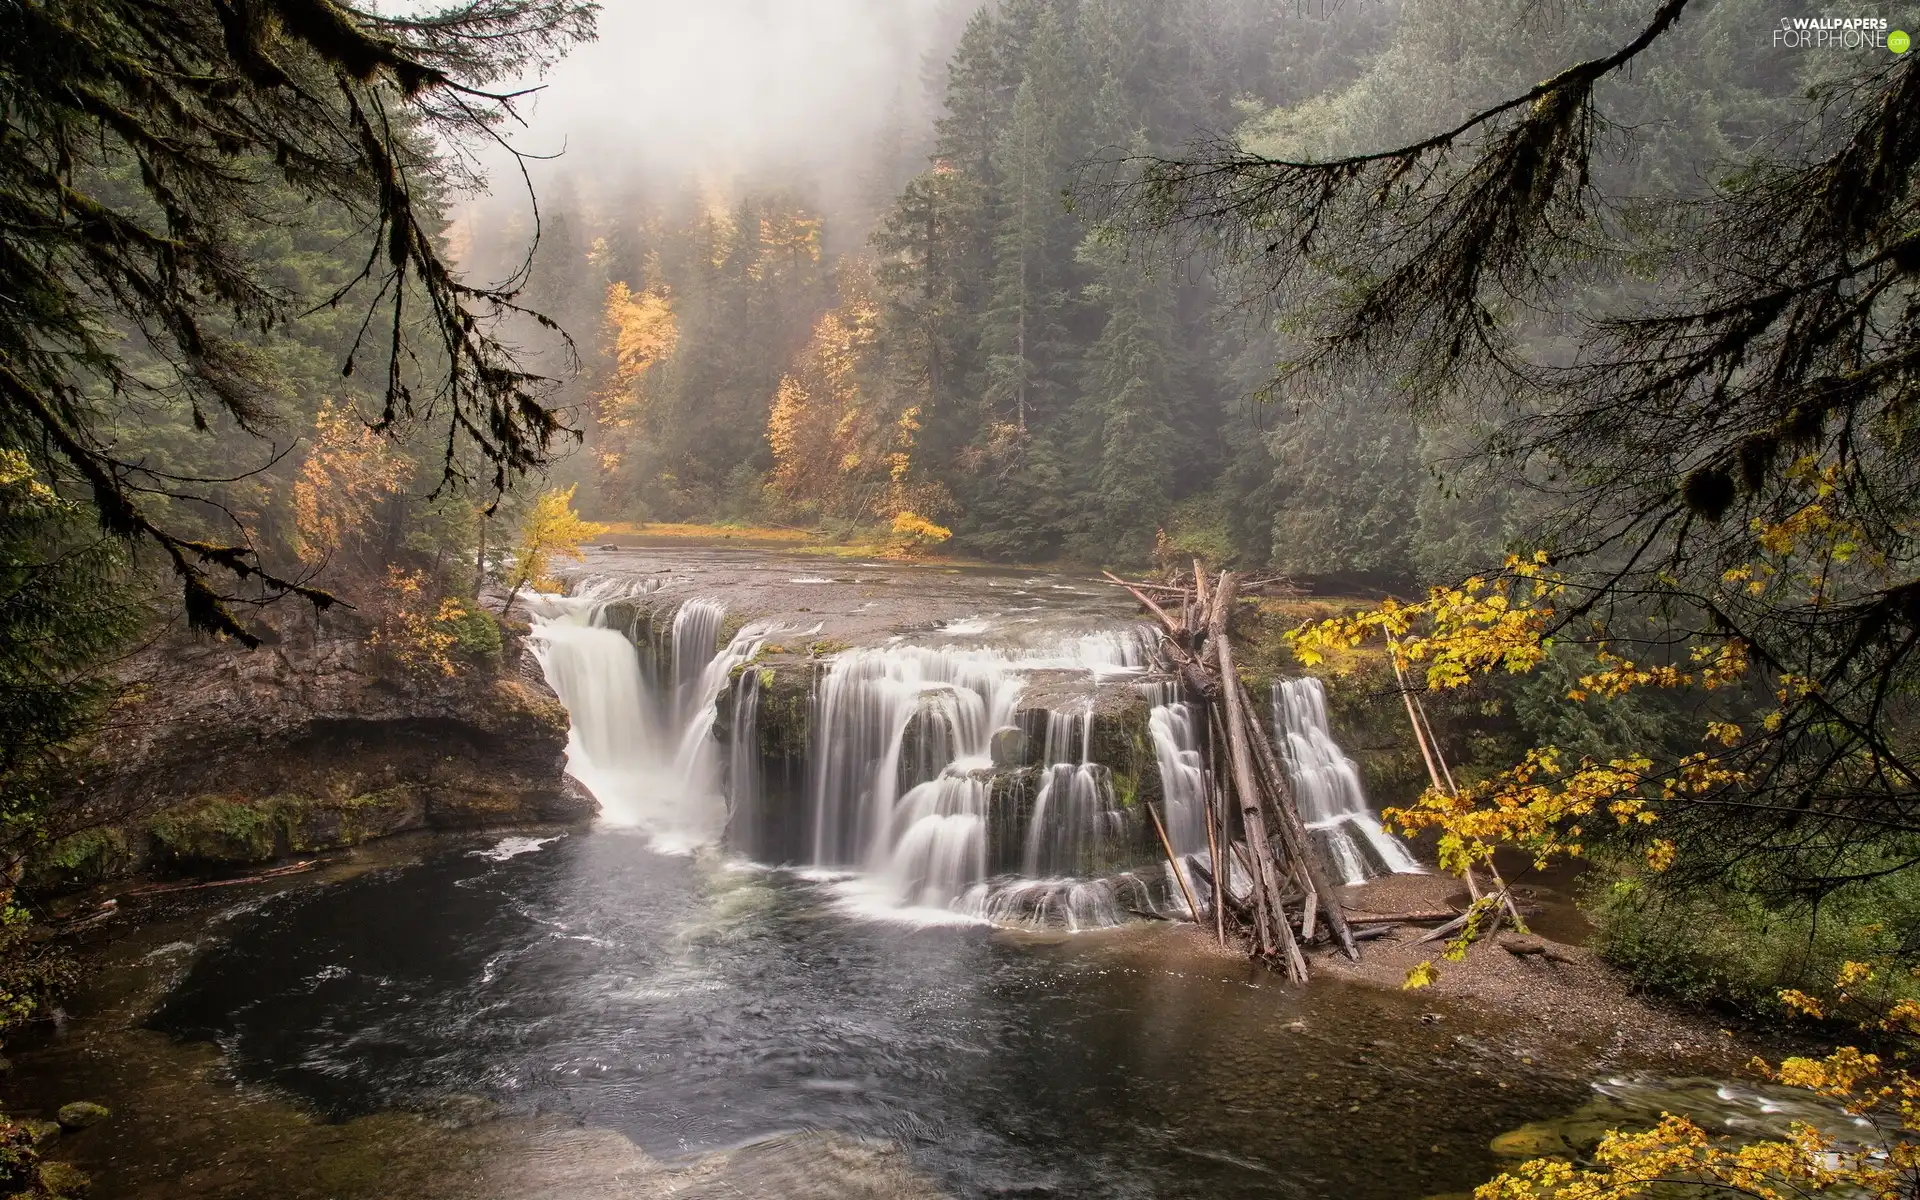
<point x="219" y="756"/>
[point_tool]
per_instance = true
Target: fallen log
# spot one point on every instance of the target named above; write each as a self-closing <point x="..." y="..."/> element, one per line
<point x="156" y="889"/>
<point x="1367" y="918"/>
<point x="1523" y="945"/>
<point x="1147" y="603"/>
<point x="1276" y="931"/>
<point x="1173" y="861"/>
<point x="1458" y="923"/>
<point x="1293" y="831"/>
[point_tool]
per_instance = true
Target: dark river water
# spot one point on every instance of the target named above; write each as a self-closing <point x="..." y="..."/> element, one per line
<point x="693" y="1005"/>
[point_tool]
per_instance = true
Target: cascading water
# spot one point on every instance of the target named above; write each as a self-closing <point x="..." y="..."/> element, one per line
<point x="1078" y="840"/>
<point x="1326" y="787"/>
<point x="928" y="841"/>
<point x="903" y="782"/>
<point x="650" y="761"/>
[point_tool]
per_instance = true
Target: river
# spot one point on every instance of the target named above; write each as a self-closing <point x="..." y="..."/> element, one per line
<point x="579" y="1012"/>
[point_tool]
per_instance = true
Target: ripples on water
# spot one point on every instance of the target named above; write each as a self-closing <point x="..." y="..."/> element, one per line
<point x="692" y="1004"/>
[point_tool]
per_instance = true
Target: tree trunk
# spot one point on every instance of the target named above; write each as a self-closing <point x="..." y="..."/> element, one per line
<point x="1276" y="934"/>
<point x="1294" y="833"/>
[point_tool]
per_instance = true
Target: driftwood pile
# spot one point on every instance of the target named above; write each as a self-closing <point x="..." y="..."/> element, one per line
<point x="1291" y="902"/>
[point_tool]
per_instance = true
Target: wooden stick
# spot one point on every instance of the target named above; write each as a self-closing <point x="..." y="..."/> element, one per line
<point x="1213" y="859"/>
<point x="156" y="889"/>
<point x="1293" y="832"/>
<point x="1506" y="894"/>
<point x="1420" y="735"/>
<point x="1266" y="884"/>
<point x="1435" y="934"/>
<point x="1200" y="595"/>
<point x="1443" y="914"/>
<point x="1142" y="597"/>
<point x="1173" y="861"/>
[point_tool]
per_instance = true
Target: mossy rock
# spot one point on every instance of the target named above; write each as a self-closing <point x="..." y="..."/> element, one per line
<point x="41" y="1132"/>
<point x="217" y="832"/>
<point x="81" y="1114"/>
<point x="64" y="1179"/>
<point x="227" y="832"/>
<point x="472" y="809"/>
<point x="1536" y="1139"/>
<point x="1010" y="748"/>
<point x="517" y="712"/>
<point x="784" y="720"/>
<point x="79" y="860"/>
<point x="329" y="824"/>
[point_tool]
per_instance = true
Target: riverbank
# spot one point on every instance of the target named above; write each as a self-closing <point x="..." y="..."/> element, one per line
<point x="1559" y="989"/>
<point x="219" y="760"/>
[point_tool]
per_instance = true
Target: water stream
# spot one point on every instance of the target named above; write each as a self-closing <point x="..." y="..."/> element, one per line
<point x="1326" y="786"/>
<point x="640" y="1009"/>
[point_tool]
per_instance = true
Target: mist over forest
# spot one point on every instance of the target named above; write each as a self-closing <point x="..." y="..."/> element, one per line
<point x="856" y="267"/>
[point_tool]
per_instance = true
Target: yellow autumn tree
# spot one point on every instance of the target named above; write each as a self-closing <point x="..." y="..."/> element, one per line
<point x="642" y="332"/>
<point x="551" y="530"/>
<point x="1549" y="805"/>
<point x="914" y="534"/>
<point x="827" y="434"/>
<point x="348" y="473"/>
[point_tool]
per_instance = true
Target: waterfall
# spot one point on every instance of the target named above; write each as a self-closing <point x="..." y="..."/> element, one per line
<point x="650" y="760"/>
<point x="1074" y="818"/>
<point x="904" y="772"/>
<point x="1183" y="781"/>
<point x="1327" y="790"/>
<point x="930" y="840"/>
<point x="743" y="763"/>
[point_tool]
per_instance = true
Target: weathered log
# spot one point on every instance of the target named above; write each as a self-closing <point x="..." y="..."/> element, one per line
<point x="156" y="889"/>
<point x="1226" y="898"/>
<point x="1173" y="861"/>
<point x="1407" y="918"/>
<point x="1218" y="888"/>
<point x="1277" y="935"/>
<point x="1173" y="627"/>
<point x="1458" y="923"/>
<point x="1201" y="600"/>
<point x="1293" y="833"/>
<point x="1520" y="945"/>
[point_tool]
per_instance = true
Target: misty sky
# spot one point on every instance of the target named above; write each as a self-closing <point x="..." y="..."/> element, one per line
<point x="724" y="89"/>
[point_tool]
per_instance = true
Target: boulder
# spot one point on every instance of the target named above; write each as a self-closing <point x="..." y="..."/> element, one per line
<point x="81" y="1114"/>
<point x="63" y="1179"/>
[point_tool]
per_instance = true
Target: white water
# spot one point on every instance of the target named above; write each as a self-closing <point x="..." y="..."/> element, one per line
<point x="903" y="762"/>
<point x="651" y="761"/>
<point x="1327" y="789"/>
<point x="913" y="814"/>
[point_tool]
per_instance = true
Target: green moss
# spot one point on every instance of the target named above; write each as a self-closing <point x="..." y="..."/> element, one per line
<point x="79" y="860"/>
<point x="732" y="624"/>
<point x="226" y="832"/>
<point x="827" y="648"/>
<point x="217" y="832"/>
<point x="786" y="711"/>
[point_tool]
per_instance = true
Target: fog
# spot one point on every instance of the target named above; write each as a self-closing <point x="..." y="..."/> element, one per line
<point x="727" y="93"/>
